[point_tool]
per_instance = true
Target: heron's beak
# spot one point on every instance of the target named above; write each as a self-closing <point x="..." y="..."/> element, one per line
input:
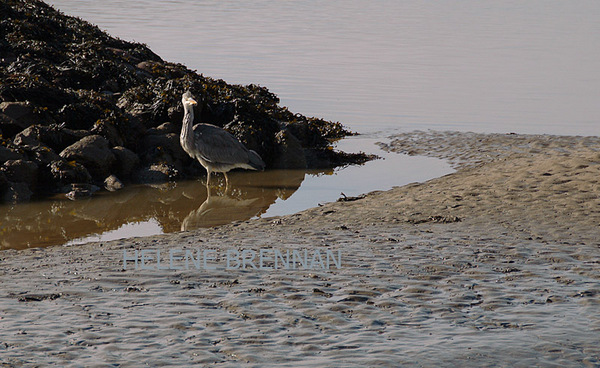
<point x="192" y="101"/>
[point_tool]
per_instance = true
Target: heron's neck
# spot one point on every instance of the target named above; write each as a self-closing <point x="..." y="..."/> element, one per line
<point x="188" y="120"/>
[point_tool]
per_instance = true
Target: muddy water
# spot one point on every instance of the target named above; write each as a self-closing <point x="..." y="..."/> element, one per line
<point x="155" y="209"/>
<point x="145" y="210"/>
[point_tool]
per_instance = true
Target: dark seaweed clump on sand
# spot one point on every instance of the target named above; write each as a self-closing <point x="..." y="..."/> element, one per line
<point x="80" y="109"/>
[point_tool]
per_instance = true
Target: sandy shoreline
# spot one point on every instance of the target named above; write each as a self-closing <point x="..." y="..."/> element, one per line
<point x="497" y="264"/>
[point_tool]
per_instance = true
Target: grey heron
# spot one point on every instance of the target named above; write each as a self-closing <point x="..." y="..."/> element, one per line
<point x="214" y="147"/>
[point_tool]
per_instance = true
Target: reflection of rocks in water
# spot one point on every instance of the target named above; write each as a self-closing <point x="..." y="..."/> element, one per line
<point x="174" y="206"/>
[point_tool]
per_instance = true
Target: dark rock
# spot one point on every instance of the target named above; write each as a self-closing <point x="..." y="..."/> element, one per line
<point x="322" y="158"/>
<point x="112" y="183"/>
<point x="126" y="161"/>
<point x="81" y="115"/>
<point x="65" y="172"/>
<point x="4" y="183"/>
<point x="80" y="191"/>
<point x="162" y="148"/>
<point x="164" y="128"/>
<point x="150" y="67"/>
<point x="20" y="171"/>
<point x="9" y="126"/>
<point x="21" y="112"/>
<point x="28" y="137"/>
<point x="155" y="174"/>
<point x="94" y="153"/>
<point x="41" y="155"/>
<point x="291" y="154"/>
<point x="256" y="134"/>
<point x="9" y="154"/>
<point x="140" y="109"/>
<point x="106" y="129"/>
<point x="17" y="193"/>
<point x="131" y="132"/>
<point x="307" y="133"/>
<point x="54" y="136"/>
<point x="74" y="77"/>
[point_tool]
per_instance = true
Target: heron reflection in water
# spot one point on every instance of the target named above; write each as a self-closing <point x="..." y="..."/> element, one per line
<point x="222" y="209"/>
<point x="251" y="195"/>
<point x="215" y="148"/>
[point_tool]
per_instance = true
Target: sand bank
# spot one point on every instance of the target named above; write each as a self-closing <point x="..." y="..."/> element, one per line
<point x="497" y="264"/>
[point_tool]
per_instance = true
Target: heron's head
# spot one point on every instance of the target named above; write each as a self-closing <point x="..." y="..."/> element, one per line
<point x="188" y="99"/>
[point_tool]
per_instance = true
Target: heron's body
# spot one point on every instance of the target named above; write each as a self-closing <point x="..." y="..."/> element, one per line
<point x="215" y="148"/>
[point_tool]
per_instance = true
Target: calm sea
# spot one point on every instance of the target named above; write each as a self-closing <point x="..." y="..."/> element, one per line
<point x="488" y="66"/>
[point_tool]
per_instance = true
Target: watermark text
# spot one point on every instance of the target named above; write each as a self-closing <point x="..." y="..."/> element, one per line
<point x="232" y="259"/>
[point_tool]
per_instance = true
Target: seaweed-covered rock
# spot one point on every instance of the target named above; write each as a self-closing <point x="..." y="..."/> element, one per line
<point x="94" y="153"/>
<point x="68" y="87"/>
<point x="156" y="174"/>
<point x="66" y="173"/>
<point x="4" y="183"/>
<point x="79" y="191"/>
<point x="21" y="171"/>
<point x="291" y="155"/>
<point x="9" y="126"/>
<point x="16" y="193"/>
<point x="55" y="137"/>
<point x="106" y="129"/>
<point x="22" y="113"/>
<point x="9" y="154"/>
<point x="162" y="148"/>
<point x="126" y="161"/>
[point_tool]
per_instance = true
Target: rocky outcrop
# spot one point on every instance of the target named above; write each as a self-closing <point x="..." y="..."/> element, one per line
<point x="112" y="107"/>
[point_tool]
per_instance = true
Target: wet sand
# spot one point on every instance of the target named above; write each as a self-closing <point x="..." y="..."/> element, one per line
<point x="497" y="264"/>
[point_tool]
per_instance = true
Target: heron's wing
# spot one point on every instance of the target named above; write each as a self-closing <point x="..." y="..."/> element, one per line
<point x="218" y="145"/>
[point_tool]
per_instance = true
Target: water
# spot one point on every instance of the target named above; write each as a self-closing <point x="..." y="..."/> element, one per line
<point x="154" y="209"/>
<point x="486" y="66"/>
<point x="378" y="67"/>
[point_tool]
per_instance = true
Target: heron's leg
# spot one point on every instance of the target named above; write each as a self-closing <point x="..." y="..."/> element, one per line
<point x="226" y="183"/>
<point x="207" y="178"/>
<point x="208" y="193"/>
